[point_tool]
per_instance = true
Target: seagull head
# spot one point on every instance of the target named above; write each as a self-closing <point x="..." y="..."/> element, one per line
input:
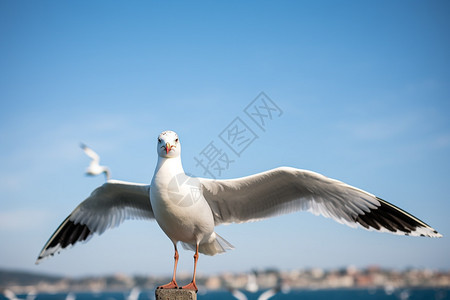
<point x="168" y="144"/>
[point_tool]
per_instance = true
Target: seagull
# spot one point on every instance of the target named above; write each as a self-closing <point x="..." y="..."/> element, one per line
<point x="71" y="296"/>
<point x="188" y="208"/>
<point x="134" y="294"/>
<point x="94" y="167"/>
<point x="252" y="287"/>
<point x="252" y="284"/>
<point x="264" y="296"/>
<point x="10" y="295"/>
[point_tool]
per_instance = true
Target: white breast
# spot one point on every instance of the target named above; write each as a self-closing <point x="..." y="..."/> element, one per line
<point x="179" y="207"/>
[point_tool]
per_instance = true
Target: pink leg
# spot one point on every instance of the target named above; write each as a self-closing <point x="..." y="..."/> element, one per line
<point x="173" y="284"/>
<point x="192" y="285"/>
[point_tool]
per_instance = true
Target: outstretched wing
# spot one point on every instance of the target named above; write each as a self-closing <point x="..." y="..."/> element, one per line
<point x="91" y="153"/>
<point x="107" y="207"/>
<point x="238" y="294"/>
<point x="284" y="190"/>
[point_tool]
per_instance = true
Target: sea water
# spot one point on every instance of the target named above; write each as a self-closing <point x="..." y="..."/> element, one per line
<point x="337" y="294"/>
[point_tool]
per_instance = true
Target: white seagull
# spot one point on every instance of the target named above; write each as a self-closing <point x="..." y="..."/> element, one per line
<point x="188" y="208"/>
<point x="94" y="166"/>
<point x="12" y="296"/>
<point x="252" y="287"/>
<point x="264" y="296"/>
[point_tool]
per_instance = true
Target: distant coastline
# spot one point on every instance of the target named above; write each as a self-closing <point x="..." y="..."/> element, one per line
<point x="314" y="278"/>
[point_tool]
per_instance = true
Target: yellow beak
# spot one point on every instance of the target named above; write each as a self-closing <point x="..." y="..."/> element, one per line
<point x="168" y="147"/>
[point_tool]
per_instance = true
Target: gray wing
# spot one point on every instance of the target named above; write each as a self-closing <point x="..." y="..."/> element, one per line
<point x="285" y="190"/>
<point x="107" y="207"/>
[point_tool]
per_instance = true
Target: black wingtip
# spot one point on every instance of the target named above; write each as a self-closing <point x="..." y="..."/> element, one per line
<point x="394" y="219"/>
<point x="70" y="234"/>
<point x="67" y="234"/>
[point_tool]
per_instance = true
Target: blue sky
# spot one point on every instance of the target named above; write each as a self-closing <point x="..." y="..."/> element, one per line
<point x="363" y="86"/>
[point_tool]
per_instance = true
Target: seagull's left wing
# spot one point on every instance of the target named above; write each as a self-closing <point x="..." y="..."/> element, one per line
<point x="269" y="293"/>
<point x="284" y="190"/>
<point x="107" y="207"/>
<point x="238" y="294"/>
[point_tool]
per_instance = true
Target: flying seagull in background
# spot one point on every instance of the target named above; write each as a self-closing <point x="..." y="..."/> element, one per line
<point x="188" y="208"/>
<point x="252" y="287"/>
<point x="94" y="167"/>
<point x="10" y="295"/>
<point x="264" y="296"/>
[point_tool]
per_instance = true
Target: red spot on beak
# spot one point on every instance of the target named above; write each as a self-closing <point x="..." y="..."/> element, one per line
<point x="168" y="147"/>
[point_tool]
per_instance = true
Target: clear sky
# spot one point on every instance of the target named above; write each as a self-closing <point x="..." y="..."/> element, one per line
<point x="364" y="90"/>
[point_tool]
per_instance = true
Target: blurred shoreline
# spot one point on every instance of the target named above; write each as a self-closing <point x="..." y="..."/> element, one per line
<point x="312" y="278"/>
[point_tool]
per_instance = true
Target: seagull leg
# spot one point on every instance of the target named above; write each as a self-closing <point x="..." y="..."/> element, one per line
<point x="192" y="285"/>
<point x="173" y="284"/>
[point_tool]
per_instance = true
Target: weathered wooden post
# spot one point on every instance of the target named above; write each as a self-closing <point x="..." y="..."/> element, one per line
<point x="175" y="294"/>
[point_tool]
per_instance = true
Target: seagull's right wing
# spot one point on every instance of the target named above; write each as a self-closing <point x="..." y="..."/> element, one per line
<point x="89" y="152"/>
<point x="107" y="207"/>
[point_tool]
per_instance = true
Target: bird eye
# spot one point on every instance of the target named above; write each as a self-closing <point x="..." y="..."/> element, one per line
<point x="176" y="140"/>
<point x="159" y="140"/>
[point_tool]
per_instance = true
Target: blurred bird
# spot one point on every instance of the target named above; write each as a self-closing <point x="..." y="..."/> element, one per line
<point x="94" y="167"/>
<point x="10" y="295"/>
<point x="253" y="287"/>
<point x="134" y="294"/>
<point x="252" y="284"/>
<point x="71" y="296"/>
<point x="269" y="293"/>
<point x="264" y="296"/>
<point x="238" y="294"/>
